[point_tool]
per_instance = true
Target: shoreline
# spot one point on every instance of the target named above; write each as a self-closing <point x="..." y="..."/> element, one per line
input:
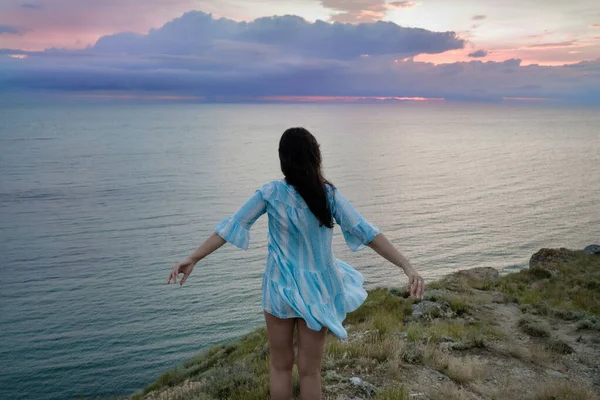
<point x="480" y="333"/>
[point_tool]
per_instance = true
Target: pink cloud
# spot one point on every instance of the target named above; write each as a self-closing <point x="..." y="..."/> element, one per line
<point x="66" y="22"/>
<point x="595" y="26"/>
<point x="545" y="55"/>
<point x="363" y="10"/>
<point x="570" y="43"/>
<point x="401" y="4"/>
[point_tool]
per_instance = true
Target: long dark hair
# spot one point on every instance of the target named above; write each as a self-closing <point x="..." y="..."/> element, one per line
<point x="300" y="158"/>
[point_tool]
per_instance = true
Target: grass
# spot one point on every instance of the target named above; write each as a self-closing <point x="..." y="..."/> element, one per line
<point x="461" y="370"/>
<point x="588" y="324"/>
<point x="534" y="327"/>
<point x="562" y="390"/>
<point x="236" y="370"/>
<point x="396" y="392"/>
<point x="576" y="287"/>
<point x="385" y="343"/>
<point x="559" y="346"/>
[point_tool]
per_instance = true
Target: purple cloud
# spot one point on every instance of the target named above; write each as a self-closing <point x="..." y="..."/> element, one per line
<point x="197" y="33"/>
<point x="479" y="17"/>
<point x="11" y="30"/>
<point x="32" y="6"/>
<point x="478" y="54"/>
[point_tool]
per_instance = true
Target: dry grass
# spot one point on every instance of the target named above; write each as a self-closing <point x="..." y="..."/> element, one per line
<point x="559" y="346"/>
<point x="534" y="327"/>
<point x="460" y="369"/>
<point x="397" y="392"/>
<point x="448" y="391"/>
<point x="562" y="390"/>
<point x="537" y="354"/>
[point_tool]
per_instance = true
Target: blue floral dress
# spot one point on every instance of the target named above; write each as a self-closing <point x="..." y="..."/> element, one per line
<point x="303" y="279"/>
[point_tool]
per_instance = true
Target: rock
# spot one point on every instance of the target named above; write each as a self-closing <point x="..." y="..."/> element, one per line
<point x="495" y="297"/>
<point x="555" y="374"/>
<point x="363" y="387"/>
<point x="592" y="249"/>
<point x="481" y="273"/>
<point x="332" y="376"/>
<point x="547" y="259"/>
<point x="439" y="375"/>
<point x="401" y="335"/>
<point x="428" y="309"/>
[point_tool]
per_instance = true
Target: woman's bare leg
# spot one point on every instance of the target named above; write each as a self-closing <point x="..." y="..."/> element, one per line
<point x="281" y="348"/>
<point x="310" y="355"/>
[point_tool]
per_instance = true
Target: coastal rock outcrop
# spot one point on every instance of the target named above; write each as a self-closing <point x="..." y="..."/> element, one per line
<point x="480" y="273"/>
<point x="429" y="310"/>
<point x="548" y="259"/>
<point x="592" y="249"/>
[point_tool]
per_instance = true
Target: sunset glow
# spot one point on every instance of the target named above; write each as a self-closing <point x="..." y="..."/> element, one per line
<point x="342" y="99"/>
<point x="306" y="50"/>
<point x="525" y="99"/>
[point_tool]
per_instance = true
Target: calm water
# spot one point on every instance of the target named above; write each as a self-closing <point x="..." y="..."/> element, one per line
<point x="97" y="201"/>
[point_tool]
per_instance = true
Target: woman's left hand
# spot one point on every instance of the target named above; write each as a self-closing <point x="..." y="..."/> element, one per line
<point x="185" y="267"/>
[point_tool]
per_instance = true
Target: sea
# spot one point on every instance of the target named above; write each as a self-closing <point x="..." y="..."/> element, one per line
<point x="99" y="199"/>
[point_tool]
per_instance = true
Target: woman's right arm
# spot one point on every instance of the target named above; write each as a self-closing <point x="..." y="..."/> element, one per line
<point x="358" y="232"/>
<point x="385" y="249"/>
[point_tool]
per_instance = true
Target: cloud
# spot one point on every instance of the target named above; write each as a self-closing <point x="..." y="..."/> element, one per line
<point x="199" y="56"/>
<point x="479" y="17"/>
<point x="199" y="34"/>
<point x="478" y="54"/>
<point x="569" y="43"/>
<point x="11" y="30"/>
<point x="373" y="76"/>
<point x="595" y="26"/>
<point x="32" y="6"/>
<point x="401" y="4"/>
<point x="363" y="10"/>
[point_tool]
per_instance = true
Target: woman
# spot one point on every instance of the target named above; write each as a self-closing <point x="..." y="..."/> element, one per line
<point x="304" y="285"/>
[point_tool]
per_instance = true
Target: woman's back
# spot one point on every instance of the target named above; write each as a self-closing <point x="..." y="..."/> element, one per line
<point x="303" y="279"/>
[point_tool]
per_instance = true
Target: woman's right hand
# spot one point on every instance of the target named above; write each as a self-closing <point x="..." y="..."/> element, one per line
<point x="185" y="267"/>
<point x="416" y="284"/>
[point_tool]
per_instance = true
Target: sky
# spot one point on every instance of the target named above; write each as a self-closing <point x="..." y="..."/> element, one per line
<point x="481" y="50"/>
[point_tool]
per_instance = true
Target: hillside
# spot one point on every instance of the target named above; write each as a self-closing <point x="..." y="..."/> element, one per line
<point x="533" y="335"/>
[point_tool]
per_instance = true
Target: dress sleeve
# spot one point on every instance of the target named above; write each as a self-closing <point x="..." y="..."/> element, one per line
<point x="235" y="229"/>
<point x="357" y="231"/>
